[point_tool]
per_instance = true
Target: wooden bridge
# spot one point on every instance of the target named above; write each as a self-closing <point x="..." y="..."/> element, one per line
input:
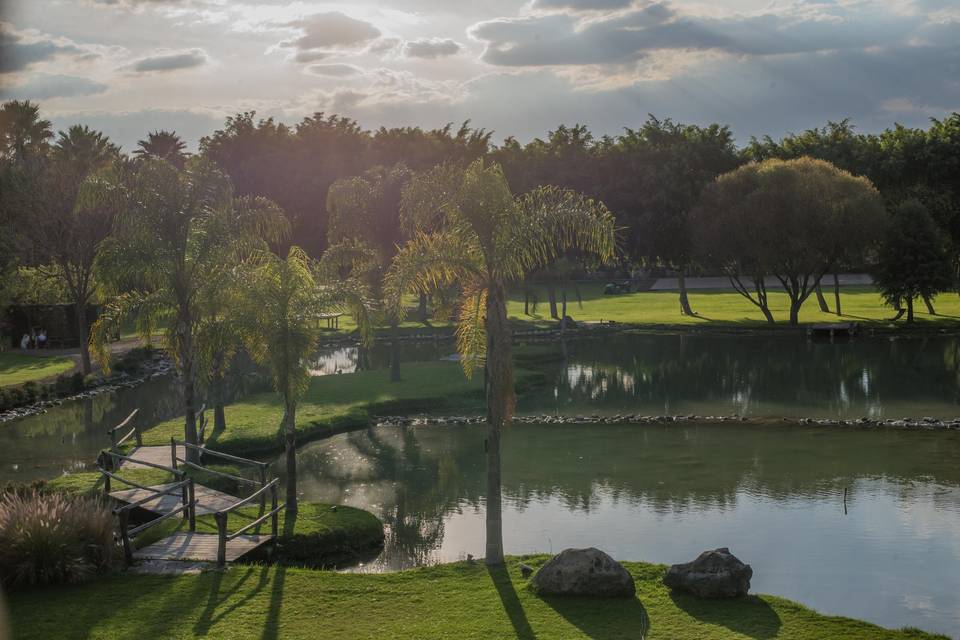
<point x="185" y="498"/>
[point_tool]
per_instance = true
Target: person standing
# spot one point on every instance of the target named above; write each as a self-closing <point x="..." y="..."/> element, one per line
<point x="42" y="339"/>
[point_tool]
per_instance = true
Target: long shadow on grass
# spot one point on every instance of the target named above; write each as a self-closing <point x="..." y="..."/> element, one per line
<point x="601" y="618"/>
<point x="511" y="603"/>
<point x="749" y="616"/>
<point x="271" y="625"/>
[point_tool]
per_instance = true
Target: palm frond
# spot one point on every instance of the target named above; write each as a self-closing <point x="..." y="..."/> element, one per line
<point x="471" y="329"/>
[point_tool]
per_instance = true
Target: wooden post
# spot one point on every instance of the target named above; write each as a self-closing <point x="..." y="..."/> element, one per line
<point x="113" y="440"/>
<point x="173" y="452"/>
<point x="274" y="519"/>
<point x="185" y="498"/>
<point x="221" y="519"/>
<point x="138" y="435"/>
<point x="263" y="483"/>
<point x="125" y="537"/>
<point x="192" y="509"/>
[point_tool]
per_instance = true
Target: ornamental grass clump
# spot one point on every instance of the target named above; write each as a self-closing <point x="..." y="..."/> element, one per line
<point x="50" y="538"/>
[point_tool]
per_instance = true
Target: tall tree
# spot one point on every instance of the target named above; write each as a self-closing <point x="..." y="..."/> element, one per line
<point x="283" y="299"/>
<point x="23" y="133"/>
<point x="164" y="145"/>
<point x="787" y="219"/>
<point x="180" y="231"/>
<point x="488" y="239"/>
<point x="913" y="261"/>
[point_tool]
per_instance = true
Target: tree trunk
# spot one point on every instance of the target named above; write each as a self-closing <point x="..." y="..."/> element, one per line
<point x="910" y="309"/>
<point x="526" y="301"/>
<point x="218" y="387"/>
<point x="552" y="297"/>
<point x="394" y="356"/>
<point x="766" y="313"/>
<point x="836" y="293"/>
<point x="85" y="365"/>
<point x="563" y="302"/>
<point x="422" y="309"/>
<point x="794" y="310"/>
<point x="290" y="440"/>
<point x="684" y="300"/>
<point x="500" y="401"/>
<point x="927" y="300"/>
<point x="189" y="395"/>
<point x="821" y="300"/>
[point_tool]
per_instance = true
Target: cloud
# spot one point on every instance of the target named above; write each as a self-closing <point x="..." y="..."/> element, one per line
<point x="582" y="5"/>
<point x="566" y="39"/>
<point x="21" y="49"/>
<point x="43" y="87"/>
<point x="311" y="56"/>
<point x="170" y="61"/>
<point x="431" y="48"/>
<point x="332" y="30"/>
<point x="335" y="69"/>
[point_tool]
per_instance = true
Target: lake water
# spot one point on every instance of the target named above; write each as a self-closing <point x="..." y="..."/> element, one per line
<point x="773" y="494"/>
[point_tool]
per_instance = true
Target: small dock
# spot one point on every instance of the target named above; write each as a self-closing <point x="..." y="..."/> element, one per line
<point x="833" y="329"/>
<point x="199" y="546"/>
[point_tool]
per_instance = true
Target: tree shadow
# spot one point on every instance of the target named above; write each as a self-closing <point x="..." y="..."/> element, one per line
<point x="750" y="616"/>
<point x="601" y="618"/>
<point x="511" y="603"/>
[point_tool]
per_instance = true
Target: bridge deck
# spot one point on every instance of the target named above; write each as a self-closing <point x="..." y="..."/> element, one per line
<point x="207" y="500"/>
<point x="155" y="455"/>
<point x="198" y="546"/>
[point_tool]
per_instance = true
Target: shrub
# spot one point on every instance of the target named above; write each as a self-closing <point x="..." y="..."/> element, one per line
<point x="77" y="382"/>
<point x="6" y="402"/>
<point x="32" y="390"/>
<point x="52" y="538"/>
<point x="63" y="385"/>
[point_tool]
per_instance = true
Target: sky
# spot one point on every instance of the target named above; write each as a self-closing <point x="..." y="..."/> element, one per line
<point x="517" y="67"/>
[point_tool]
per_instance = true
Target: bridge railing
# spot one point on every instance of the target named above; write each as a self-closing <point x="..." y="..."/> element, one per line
<point x="176" y="461"/>
<point x="182" y="485"/>
<point x="222" y="515"/>
<point x="115" y="442"/>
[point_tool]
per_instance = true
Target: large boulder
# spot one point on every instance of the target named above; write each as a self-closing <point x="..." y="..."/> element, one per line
<point x="714" y="574"/>
<point x="584" y="572"/>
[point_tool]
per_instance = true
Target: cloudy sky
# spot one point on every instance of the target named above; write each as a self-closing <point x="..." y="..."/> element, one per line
<point x="519" y="67"/>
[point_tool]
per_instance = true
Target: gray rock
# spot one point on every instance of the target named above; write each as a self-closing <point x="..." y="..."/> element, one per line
<point x="714" y="574"/>
<point x="584" y="572"/>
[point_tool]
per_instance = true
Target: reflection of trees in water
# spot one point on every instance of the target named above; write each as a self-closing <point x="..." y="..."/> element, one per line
<point x="416" y="477"/>
<point x="739" y="373"/>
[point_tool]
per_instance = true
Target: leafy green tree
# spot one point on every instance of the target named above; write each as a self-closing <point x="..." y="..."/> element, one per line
<point x="180" y="232"/>
<point x="283" y="299"/>
<point x="488" y="239"/>
<point x="913" y="261"/>
<point x="788" y="219"/>
<point x="165" y="145"/>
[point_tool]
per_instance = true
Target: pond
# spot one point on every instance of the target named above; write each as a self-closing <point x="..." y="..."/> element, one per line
<point x="775" y="495"/>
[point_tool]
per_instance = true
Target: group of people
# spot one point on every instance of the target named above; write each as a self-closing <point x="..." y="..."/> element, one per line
<point x="34" y="339"/>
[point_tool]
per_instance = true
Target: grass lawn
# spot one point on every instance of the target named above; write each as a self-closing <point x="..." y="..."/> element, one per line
<point x="859" y="304"/>
<point x="17" y="368"/>
<point x="449" y="601"/>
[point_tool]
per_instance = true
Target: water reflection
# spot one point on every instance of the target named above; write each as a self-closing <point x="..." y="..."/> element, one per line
<point x="759" y="376"/>
<point x="775" y="495"/>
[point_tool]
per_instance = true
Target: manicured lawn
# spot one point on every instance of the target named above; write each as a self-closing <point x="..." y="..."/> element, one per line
<point x="859" y="304"/>
<point x="17" y="368"/>
<point x="462" y="601"/>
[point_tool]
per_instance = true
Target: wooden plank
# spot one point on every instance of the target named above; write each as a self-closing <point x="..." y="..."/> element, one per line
<point x="198" y="546"/>
<point x="156" y="455"/>
<point x="208" y="500"/>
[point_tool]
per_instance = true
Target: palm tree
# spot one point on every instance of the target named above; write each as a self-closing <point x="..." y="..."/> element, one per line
<point x="22" y="132"/>
<point x="284" y="298"/>
<point x="180" y="233"/>
<point x="85" y="147"/>
<point x="165" y="145"/>
<point x="489" y="238"/>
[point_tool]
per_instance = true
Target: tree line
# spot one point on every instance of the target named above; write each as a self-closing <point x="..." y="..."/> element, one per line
<point x="242" y="246"/>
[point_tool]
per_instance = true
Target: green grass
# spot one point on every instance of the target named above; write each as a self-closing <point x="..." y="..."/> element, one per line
<point x="17" y="368"/>
<point x="461" y="601"/>
<point x="859" y="304"/>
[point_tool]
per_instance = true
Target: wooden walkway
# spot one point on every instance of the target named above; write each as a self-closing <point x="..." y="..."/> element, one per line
<point x="184" y="498"/>
<point x="207" y="500"/>
<point x="198" y="546"/>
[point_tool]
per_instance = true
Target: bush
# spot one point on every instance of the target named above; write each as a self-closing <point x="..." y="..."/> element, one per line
<point x="77" y="382"/>
<point x="6" y="402"/>
<point x="52" y="539"/>
<point x="32" y="390"/>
